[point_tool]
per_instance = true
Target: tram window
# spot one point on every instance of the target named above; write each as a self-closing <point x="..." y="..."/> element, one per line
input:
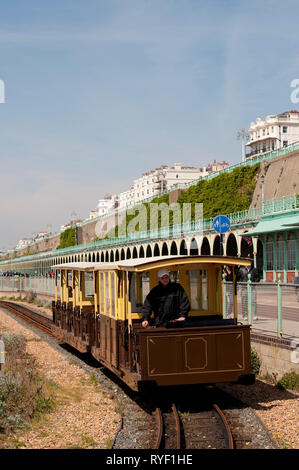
<point x="204" y="289"/>
<point x="218" y="288"/>
<point x="58" y="278"/>
<point x="141" y="282"/>
<point x="139" y="287"/>
<point x="194" y="290"/>
<point x="88" y="283"/>
<point x="102" y="293"/>
<point x="70" y="283"/>
<point x="145" y="285"/>
<point x="174" y="276"/>
<point x="58" y="283"/>
<point x="198" y="281"/>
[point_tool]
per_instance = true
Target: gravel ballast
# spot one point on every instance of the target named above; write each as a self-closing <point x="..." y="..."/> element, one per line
<point x="84" y="416"/>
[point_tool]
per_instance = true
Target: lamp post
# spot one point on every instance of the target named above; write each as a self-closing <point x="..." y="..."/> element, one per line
<point x="241" y="135"/>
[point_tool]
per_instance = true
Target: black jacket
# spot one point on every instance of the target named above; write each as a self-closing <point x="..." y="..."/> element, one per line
<point x="254" y="275"/>
<point x="243" y="274"/>
<point x="228" y="276"/>
<point x="167" y="303"/>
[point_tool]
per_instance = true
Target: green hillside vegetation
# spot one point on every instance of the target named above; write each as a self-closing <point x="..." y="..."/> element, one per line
<point x="224" y="194"/>
<point x="67" y="238"/>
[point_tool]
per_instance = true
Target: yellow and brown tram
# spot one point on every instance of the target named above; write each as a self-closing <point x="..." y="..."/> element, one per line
<point x="98" y="306"/>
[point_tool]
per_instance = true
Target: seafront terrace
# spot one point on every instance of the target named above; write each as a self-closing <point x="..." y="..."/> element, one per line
<point x="273" y="205"/>
<point x="287" y="205"/>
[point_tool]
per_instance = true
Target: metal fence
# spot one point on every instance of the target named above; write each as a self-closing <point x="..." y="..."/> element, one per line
<point x="267" y="306"/>
<point x="39" y="285"/>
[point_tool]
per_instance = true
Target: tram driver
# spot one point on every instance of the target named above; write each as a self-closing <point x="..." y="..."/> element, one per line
<point x="167" y="300"/>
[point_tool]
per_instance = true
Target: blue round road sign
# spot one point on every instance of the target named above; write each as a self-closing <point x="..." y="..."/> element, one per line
<point x="221" y="224"/>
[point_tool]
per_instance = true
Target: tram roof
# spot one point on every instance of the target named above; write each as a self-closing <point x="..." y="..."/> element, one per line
<point x="154" y="262"/>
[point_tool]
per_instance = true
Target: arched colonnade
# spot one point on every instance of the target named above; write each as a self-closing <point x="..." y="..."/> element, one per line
<point x="232" y="245"/>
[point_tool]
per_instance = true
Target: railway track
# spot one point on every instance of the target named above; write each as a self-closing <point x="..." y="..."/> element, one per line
<point x="206" y="429"/>
<point x="199" y="423"/>
<point x="169" y="429"/>
<point x="34" y="319"/>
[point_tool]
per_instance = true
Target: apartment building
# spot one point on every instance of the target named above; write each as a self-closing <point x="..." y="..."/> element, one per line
<point x="109" y="202"/>
<point x="24" y="242"/>
<point x="155" y="182"/>
<point x="275" y="132"/>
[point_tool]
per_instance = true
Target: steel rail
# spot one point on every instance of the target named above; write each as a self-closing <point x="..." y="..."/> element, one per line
<point x="160" y="423"/>
<point x="177" y="425"/>
<point x="28" y="316"/>
<point x="228" y="433"/>
<point x="161" y="428"/>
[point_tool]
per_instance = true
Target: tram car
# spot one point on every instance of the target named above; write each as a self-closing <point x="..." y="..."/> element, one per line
<point x="98" y="307"/>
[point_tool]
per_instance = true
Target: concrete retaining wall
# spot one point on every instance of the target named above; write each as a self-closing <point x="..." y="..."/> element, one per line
<point x="281" y="178"/>
<point x="277" y="355"/>
<point x="48" y="244"/>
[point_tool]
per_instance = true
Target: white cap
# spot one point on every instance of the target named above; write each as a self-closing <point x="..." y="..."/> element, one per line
<point x="163" y="272"/>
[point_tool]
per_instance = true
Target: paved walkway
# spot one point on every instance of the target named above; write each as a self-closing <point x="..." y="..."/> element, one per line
<point x="268" y="326"/>
<point x="265" y="317"/>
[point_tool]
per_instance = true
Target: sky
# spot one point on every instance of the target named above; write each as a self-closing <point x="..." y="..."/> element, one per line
<point x="99" y="91"/>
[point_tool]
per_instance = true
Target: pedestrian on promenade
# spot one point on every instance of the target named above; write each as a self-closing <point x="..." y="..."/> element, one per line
<point x="229" y="289"/>
<point x="242" y="279"/>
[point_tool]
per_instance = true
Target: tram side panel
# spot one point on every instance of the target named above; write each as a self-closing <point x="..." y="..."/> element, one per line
<point x="106" y="337"/>
<point x="160" y="355"/>
<point x="72" y="326"/>
<point x="198" y="355"/>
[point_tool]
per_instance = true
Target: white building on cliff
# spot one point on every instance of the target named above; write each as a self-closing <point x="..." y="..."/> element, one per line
<point x="275" y="132"/>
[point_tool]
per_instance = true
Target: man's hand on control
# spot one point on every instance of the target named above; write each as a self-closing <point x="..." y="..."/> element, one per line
<point x="144" y="324"/>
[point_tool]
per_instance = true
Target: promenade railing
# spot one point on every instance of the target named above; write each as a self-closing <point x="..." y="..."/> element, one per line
<point x="272" y="206"/>
<point x="270" y="307"/>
